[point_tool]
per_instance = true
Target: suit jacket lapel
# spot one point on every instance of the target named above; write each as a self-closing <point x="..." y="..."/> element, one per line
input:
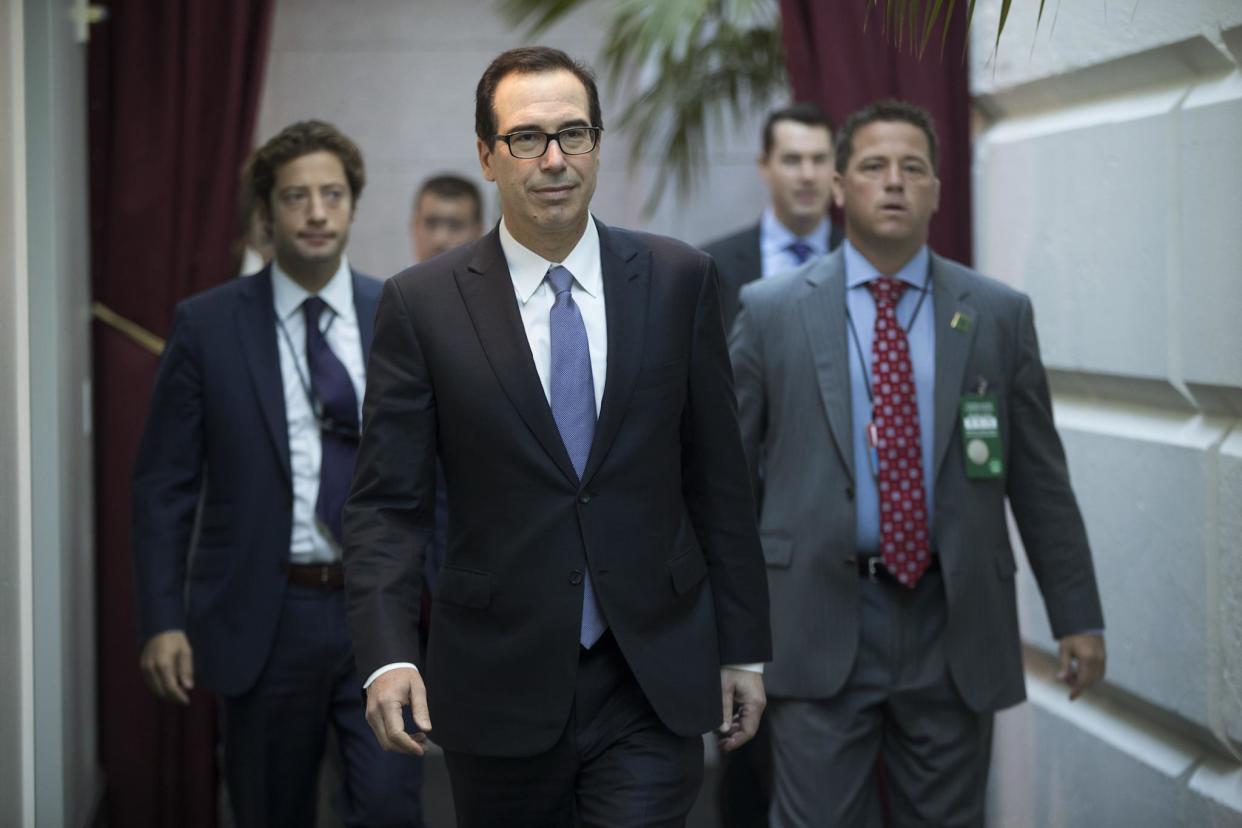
<point x="627" y="283"/>
<point x="750" y="258"/>
<point x="487" y="290"/>
<point x="952" y="351"/>
<point x="823" y="315"/>
<point x="256" y="330"/>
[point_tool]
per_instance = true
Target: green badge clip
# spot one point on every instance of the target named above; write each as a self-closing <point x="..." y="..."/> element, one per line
<point x="960" y="322"/>
<point x="981" y="437"/>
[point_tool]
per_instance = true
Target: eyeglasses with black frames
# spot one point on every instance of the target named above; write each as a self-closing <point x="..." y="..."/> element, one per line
<point x="572" y="141"/>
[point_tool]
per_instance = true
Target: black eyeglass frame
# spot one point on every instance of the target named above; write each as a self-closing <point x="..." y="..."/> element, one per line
<point x="549" y="137"/>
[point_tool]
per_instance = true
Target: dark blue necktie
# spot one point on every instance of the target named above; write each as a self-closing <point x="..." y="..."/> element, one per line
<point x="573" y="409"/>
<point x="336" y="409"/>
<point x="800" y="250"/>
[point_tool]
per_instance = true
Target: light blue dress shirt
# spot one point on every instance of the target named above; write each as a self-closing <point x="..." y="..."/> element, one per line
<point x="860" y="307"/>
<point x="775" y="238"/>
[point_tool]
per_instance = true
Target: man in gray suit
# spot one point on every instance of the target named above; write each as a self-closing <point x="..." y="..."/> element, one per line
<point x="897" y="400"/>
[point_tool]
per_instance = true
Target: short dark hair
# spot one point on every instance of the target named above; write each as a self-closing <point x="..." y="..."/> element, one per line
<point x="293" y="142"/>
<point x="886" y="110"/>
<point x="448" y="185"/>
<point x="804" y="112"/>
<point x="527" y="60"/>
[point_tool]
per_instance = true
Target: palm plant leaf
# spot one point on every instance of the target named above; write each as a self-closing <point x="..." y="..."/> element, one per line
<point x="686" y="62"/>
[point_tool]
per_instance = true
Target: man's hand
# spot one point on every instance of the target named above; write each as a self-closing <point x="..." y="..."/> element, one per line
<point x="743" y="700"/>
<point x="1082" y="662"/>
<point x="167" y="664"/>
<point x="386" y="697"/>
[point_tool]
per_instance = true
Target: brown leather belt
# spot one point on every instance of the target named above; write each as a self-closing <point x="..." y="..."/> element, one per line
<point x="329" y="576"/>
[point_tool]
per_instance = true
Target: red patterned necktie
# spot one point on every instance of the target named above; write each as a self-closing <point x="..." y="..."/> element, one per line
<point x="899" y="446"/>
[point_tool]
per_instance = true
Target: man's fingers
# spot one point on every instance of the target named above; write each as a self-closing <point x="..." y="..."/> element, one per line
<point x="1082" y="662"/>
<point x="418" y="704"/>
<point x="167" y="669"/>
<point x="185" y="668"/>
<point x="1064" y="671"/>
<point x="726" y="702"/>
<point x="1090" y="671"/>
<point x="394" y="728"/>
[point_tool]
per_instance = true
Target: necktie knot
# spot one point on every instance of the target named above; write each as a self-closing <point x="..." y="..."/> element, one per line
<point x="800" y="250"/>
<point x="560" y="279"/>
<point x="886" y="290"/>
<point x="313" y="308"/>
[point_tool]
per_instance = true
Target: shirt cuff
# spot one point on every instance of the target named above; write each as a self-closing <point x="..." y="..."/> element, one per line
<point x="386" y="668"/>
<point x="757" y="667"/>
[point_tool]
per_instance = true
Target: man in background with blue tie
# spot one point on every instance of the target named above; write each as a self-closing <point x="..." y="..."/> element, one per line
<point x="602" y="601"/>
<point x="243" y="470"/>
<point x="796" y="167"/>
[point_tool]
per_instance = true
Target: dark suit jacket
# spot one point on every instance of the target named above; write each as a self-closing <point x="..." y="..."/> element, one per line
<point x="793" y="383"/>
<point x="216" y="440"/>
<point x="663" y="514"/>
<point x="739" y="261"/>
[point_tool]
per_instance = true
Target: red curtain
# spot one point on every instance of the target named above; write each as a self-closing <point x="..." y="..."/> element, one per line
<point x="840" y="56"/>
<point x="174" y="87"/>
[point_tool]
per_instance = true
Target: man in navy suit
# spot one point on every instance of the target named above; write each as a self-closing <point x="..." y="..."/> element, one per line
<point x="796" y="167"/>
<point x="241" y="475"/>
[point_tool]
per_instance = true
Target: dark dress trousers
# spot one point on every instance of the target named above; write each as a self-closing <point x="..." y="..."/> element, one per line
<point x="745" y="781"/>
<point x="212" y="524"/>
<point x="663" y="515"/>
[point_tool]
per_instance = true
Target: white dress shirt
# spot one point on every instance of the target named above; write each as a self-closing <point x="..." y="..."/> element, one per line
<point x="535" y="299"/>
<point x="311" y="542"/>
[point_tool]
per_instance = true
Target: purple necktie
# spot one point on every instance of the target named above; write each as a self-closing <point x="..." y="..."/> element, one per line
<point x="336" y="408"/>
<point x="573" y="409"/>
<point x="800" y="250"/>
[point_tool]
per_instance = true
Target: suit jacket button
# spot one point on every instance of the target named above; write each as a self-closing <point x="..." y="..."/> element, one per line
<point x="575" y="577"/>
<point x="849" y="492"/>
<point x="584" y="498"/>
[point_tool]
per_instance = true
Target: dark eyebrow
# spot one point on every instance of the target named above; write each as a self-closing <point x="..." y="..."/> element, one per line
<point x="576" y="122"/>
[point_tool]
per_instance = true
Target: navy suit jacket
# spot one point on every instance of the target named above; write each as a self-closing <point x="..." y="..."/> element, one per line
<point x="212" y="487"/>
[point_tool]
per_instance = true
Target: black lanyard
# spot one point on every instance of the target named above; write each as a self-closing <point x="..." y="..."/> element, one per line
<point x="325" y="423"/>
<point x="862" y="360"/>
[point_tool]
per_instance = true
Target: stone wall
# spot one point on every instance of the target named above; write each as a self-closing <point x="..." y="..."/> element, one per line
<point x="1109" y="187"/>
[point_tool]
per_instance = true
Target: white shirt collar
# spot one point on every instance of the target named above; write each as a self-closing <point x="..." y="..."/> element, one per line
<point x="528" y="268"/>
<point x="337" y="294"/>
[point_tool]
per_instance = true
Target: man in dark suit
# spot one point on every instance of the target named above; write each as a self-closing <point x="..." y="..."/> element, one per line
<point x="602" y="602"/>
<point x="898" y="400"/>
<point x="796" y="167"/>
<point x="242" y="472"/>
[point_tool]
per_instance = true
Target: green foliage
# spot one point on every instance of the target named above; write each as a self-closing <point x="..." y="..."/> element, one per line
<point x="683" y="62"/>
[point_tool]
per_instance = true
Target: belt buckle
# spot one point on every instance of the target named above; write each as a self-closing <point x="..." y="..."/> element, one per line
<point x="873" y="564"/>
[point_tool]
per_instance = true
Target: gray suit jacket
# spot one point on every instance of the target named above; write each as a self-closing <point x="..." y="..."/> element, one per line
<point x="789" y="354"/>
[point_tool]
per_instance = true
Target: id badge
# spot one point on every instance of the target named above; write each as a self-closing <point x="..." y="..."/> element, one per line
<point x="981" y="437"/>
